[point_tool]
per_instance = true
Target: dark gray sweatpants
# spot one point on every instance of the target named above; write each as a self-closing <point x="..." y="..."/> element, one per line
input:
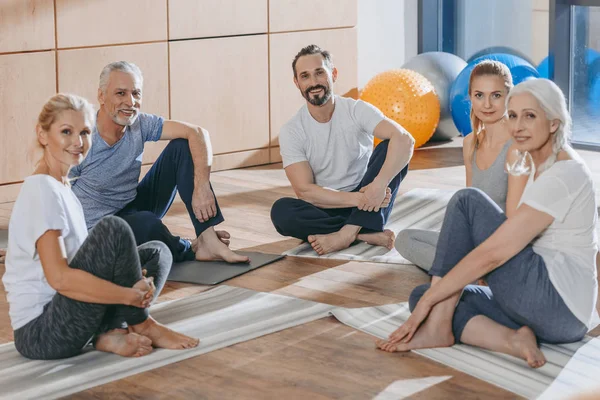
<point x="110" y="253"/>
<point x="520" y="292"/>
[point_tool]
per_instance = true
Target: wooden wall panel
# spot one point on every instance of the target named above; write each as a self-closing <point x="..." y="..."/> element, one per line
<point x="27" y="82"/>
<point x="222" y="85"/>
<point x="26" y="25"/>
<point x="296" y="15"/>
<point x="79" y="70"/>
<point x="285" y="97"/>
<point x="93" y="23"/>
<point x="210" y="18"/>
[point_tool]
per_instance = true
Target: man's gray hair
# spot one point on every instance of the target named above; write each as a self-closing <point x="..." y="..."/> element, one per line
<point x="122" y="66"/>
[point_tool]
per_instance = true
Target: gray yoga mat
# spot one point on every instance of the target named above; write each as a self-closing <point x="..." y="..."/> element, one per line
<point x="213" y="272"/>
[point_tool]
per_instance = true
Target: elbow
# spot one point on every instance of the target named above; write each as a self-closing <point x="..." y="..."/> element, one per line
<point x="58" y="282"/>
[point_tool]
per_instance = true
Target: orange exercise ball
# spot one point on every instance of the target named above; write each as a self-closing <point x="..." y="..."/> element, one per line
<point x="408" y="98"/>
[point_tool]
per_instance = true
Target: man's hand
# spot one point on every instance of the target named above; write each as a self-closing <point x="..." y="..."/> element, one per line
<point x="203" y="202"/>
<point x="376" y="195"/>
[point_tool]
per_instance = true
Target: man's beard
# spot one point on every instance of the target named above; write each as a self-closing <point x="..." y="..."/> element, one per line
<point x="124" y="121"/>
<point x="317" y="100"/>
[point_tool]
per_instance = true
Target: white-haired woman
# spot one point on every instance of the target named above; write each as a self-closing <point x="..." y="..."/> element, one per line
<point x="539" y="264"/>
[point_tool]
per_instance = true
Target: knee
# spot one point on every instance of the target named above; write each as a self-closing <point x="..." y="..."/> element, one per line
<point x="281" y="212"/>
<point x="416" y="295"/>
<point x="403" y="240"/>
<point x="466" y="195"/>
<point x="179" y="146"/>
<point x="117" y="226"/>
<point x="156" y="251"/>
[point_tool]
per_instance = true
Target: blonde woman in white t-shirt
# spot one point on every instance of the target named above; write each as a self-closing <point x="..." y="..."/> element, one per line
<point x="539" y="263"/>
<point x="66" y="288"/>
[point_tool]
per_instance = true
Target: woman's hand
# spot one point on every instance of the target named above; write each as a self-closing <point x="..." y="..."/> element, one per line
<point x="406" y="332"/>
<point x="142" y="293"/>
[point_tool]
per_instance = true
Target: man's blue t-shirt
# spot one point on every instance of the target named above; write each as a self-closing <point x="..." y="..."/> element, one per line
<point x="106" y="181"/>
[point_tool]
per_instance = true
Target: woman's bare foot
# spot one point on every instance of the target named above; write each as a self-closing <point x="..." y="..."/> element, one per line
<point x="2" y="256"/>
<point x="428" y="336"/>
<point x="163" y="337"/>
<point x="385" y="239"/>
<point x="523" y="344"/>
<point x="210" y="247"/>
<point x="123" y="343"/>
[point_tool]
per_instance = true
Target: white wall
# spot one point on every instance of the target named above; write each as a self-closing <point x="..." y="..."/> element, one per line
<point x="387" y="36"/>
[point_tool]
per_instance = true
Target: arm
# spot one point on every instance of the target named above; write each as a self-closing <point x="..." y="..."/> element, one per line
<point x="516" y="184"/>
<point x="508" y="240"/>
<point x="80" y="285"/>
<point x="301" y="177"/>
<point x="399" y="153"/>
<point x="467" y="143"/>
<point x="400" y="149"/>
<point x="203" y="199"/>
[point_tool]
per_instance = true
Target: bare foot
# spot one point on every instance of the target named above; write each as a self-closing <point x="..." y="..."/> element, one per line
<point x="2" y="256"/>
<point x="523" y="344"/>
<point x="223" y="236"/>
<point x="324" y="244"/>
<point x="428" y="336"/>
<point x="385" y="239"/>
<point x="163" y="337"/>
<point x="123" y="343"/>
<point x="210" y="247"/>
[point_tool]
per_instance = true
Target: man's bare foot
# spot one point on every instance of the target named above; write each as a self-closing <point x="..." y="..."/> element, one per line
<point x="523" y="344"/>
<point x="428" y="336"/>
<point x="385" y="239"/>
<point x="163" y="337"/>
<point x="123" y="343"/>
<point x="325" y="244"/>
<point x="211" y="247"/>
<point x="223" y="236"/>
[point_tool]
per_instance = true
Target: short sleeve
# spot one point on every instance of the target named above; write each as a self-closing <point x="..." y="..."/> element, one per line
<point x="367" y="116"/>
<point x="550" y="195"/>
<point x="151" y="127"/>
<point x="291" y="146"/>
<point x="45" y="211"/>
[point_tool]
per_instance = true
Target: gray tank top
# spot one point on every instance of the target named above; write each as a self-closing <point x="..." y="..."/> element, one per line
<point x="493" y="180"/>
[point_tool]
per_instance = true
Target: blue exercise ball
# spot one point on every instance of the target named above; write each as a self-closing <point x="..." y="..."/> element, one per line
<point x="593" y="105"/>
<point x="543" y="68"/>
<point x="460" y="104"/>
<point x="441" y="69"/>
<point x="498" y="50"/>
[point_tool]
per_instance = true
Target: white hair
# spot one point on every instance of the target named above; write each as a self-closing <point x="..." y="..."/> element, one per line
<point x="552" y="100"/>
<point x="122" y="66"/>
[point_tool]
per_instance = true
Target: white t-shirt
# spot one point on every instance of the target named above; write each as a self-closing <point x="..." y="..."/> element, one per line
<point x="569" y="245"/>
<point x="338" y="151"/>
<point x="43" y="204"/>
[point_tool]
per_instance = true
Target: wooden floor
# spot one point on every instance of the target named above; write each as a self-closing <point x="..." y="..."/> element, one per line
<point x="320" y="360"/>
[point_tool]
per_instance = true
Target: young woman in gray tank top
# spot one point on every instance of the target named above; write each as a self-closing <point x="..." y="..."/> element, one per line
<point x="485" y="153"/>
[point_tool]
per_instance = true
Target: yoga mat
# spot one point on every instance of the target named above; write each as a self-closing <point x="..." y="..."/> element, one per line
<point x="220" y="317"/>
<point x="416" y="209"/>
<point x="213" y="272"/>
<point x="507" y="372"/>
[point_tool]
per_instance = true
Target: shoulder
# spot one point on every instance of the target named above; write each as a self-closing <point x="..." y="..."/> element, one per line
<point x="294" y="127"/>
<point x="467" y="144"/>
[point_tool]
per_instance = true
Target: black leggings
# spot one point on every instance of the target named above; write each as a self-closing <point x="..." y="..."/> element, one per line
<point x="110" y="253"/>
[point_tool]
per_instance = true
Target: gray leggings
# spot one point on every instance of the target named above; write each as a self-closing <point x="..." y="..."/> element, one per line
<point x="417" y="246"/>
<point x="110" y="253"/>
<point x="520" y="292"/>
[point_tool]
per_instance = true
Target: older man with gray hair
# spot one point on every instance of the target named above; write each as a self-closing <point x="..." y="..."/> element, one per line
<point x="107" y="181"/>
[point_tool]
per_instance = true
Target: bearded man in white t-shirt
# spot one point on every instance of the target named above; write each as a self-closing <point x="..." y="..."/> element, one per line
<point x="345" y="188"/>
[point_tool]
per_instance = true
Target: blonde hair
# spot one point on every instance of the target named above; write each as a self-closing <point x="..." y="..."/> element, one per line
<point x="486" y="68"/>
<point x="54" y="107"/>
<point x="552" y="100"/>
